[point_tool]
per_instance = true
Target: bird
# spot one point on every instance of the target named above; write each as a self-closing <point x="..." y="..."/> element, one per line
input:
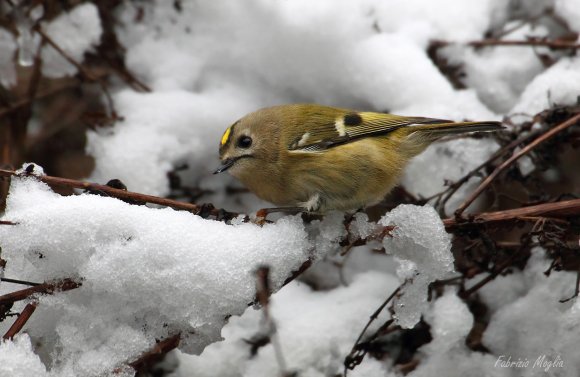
<point x="320" y="158"/>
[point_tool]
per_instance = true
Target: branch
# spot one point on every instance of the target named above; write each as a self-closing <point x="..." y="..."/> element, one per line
<point x="20" y="321"/>
<point x="122" y="194"/>
<point x="562" y="126"/>
<point x="156" y="353"/>
<point x="46" y="288"/>
<point x="356" y="355"/>
<point x="555" y="44"/>
<point x="565" y="208"/>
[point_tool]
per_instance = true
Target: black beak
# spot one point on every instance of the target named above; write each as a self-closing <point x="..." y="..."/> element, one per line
<point x="226" y="164"/>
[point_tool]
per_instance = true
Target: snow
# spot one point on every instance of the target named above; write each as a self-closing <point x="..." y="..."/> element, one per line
<point x="7" y="50"/>
<point x="454" y="159"/>
<point x="422" y="248"/>
<point x="75" y="32"/>
<point x="520" y="329"/>
<point x="338" y="317"/>
<point x="152" y="272"/>
<point x="148" y="273"/>
<point x="569" y="10"/>
<point x="555" y="86"/>
<point x="17" y="359"/>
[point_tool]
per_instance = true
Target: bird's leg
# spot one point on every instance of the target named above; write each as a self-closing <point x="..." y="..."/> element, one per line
<point x="264" y="212"/>
<point x="311" y="207"/>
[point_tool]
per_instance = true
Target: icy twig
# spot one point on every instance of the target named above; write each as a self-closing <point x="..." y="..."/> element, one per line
<point x="155" y="354"/>
<point x="123" y="194"/>
<point x="45" y="288"/>
<point x="553" y="131"/>
<point x="356" y="355"/>
<point x="20" y="321"/>
<point x="262" y="296"/>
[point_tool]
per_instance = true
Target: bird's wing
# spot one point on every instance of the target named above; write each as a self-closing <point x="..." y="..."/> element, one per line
<point x="349" y="127"/>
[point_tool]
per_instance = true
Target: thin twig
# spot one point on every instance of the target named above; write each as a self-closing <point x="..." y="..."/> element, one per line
<point x="20" y="321"/>
<point x="552" y="44"/>
<point x="562" y="126"/>
<point x="444" y="196"/>
<point x="555" y="44"/>
<point x="16" y="281"/>
<point x="45" y="288"/>
<point x="262" y="295"/>
<point x="118" y="193"/>
<point x="88" y="75"/>
<point x="576" y="290"/>
<point x="566" y="208"/>
<point x="355" y="357"/>
<point x="156" y="353"/>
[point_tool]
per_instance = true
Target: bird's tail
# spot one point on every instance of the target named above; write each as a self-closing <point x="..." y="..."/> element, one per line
<point x="419" y="136"/>
<point x="437" y="130"/>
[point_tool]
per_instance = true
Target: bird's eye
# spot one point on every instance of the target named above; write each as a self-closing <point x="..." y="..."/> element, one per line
<point x="244" y="142"/>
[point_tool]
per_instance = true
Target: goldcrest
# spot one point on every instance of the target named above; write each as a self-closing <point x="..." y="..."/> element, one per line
<point x="324" y="158"/>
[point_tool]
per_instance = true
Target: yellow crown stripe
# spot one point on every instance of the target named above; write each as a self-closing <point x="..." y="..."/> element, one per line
<point x="226" y="136"/>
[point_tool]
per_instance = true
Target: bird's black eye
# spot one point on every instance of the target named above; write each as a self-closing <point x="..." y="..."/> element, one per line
<point x="244" y="142"/>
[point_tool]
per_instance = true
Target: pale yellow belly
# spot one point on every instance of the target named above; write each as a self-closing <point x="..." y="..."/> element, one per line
<point x="347" y="177"/>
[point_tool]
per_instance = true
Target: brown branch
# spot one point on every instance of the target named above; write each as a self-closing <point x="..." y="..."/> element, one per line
<point x="552" y="44"/>
<point x="16" y="281"/>
<point x="82" y="70"/>
<point x="5" y="222"/>
<point x="156" y="353"/>
<point x="555" y="44"/>
<point x="566" y="208"/>
<point x="47" y="93"/>
<point x="45" y="288"/>
<point x="121" y="194"/>
<point x="20" y="321"/>
<point x="562" y="126"/>
<point x="444" y="196"/>
<point x="356" y="356"/>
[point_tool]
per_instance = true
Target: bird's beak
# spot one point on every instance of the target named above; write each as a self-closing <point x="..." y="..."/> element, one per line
<point x="226" y="164"/>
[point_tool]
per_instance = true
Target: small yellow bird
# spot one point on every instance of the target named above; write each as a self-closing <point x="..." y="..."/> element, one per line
<point x="322" y="158"/>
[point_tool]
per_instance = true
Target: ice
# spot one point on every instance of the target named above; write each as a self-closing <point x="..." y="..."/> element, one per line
<point x="337" y="317"/>
<point x="150" y="272"/>
<point x="422" y="247"/>
<point x="17" y="359"/>
<point x="361" y="227"/>
<point x="329" y="232"/>
<point x="75" y="32"/>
